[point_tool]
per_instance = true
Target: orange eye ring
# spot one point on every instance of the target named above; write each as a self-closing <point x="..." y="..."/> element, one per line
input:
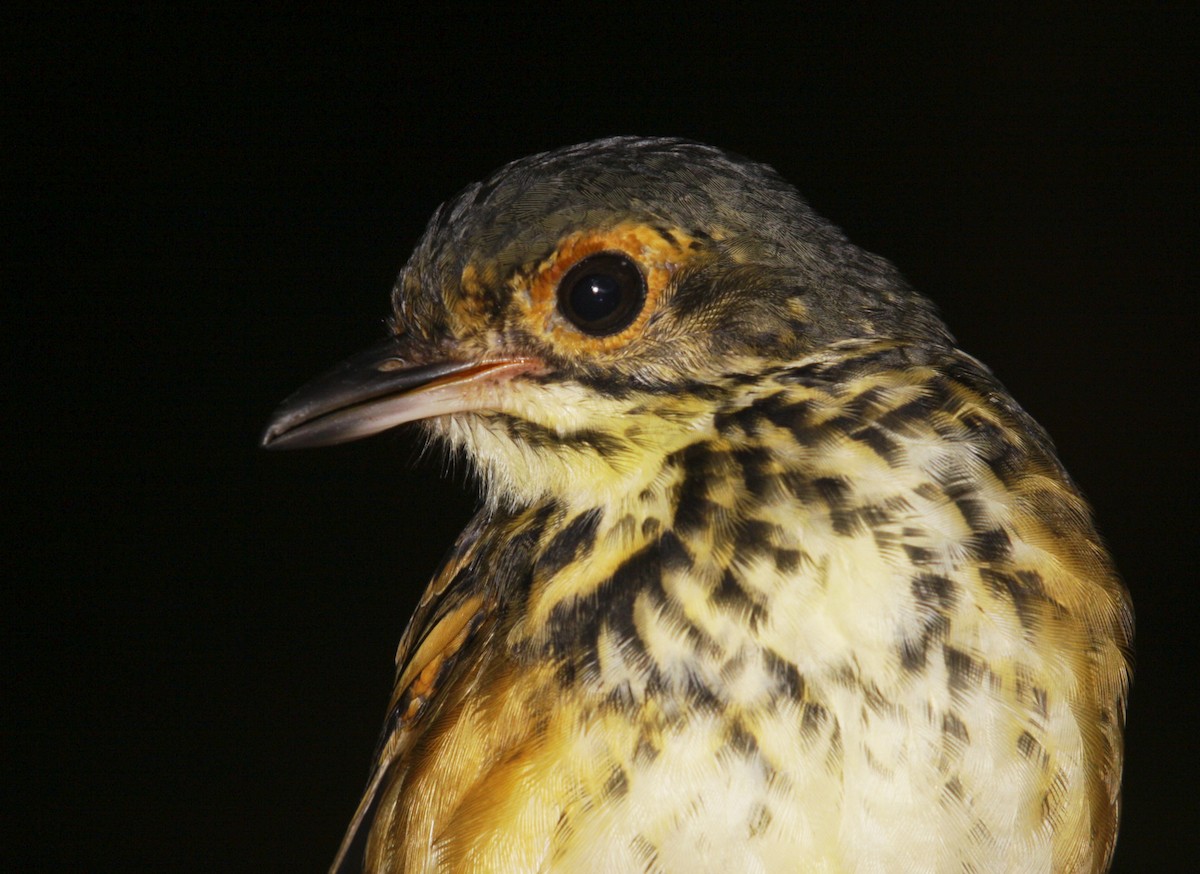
<point x="638" y="260"/>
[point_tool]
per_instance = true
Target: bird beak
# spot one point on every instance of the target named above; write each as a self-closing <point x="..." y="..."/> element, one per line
<point x="381" y="388"/>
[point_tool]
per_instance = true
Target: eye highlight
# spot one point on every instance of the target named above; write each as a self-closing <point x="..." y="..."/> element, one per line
<point x="602" y="294"/>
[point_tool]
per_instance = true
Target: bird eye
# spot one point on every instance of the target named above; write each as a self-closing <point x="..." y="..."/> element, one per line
<point x="602" y="294"/>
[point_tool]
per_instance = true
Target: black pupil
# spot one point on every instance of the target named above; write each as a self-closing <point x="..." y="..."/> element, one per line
<point x="602" y="294"/>
<point x="595" y="297"/>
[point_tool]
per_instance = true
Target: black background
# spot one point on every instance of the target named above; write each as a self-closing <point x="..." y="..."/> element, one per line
<point x="206" y="208"/>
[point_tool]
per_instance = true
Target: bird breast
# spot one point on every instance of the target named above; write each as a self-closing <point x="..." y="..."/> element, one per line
<point x="814" y="630"/>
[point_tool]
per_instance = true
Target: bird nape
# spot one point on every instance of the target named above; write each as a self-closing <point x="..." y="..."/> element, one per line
<point x="768" y="575"/>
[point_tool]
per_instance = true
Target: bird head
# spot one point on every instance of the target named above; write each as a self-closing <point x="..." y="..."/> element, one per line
<point x="587" y="310"/>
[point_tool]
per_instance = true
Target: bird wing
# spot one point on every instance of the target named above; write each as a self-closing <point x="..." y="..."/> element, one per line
<point x="452" y="612"/>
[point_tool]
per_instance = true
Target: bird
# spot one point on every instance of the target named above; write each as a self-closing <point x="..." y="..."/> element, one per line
<point x="766" y="575"/>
